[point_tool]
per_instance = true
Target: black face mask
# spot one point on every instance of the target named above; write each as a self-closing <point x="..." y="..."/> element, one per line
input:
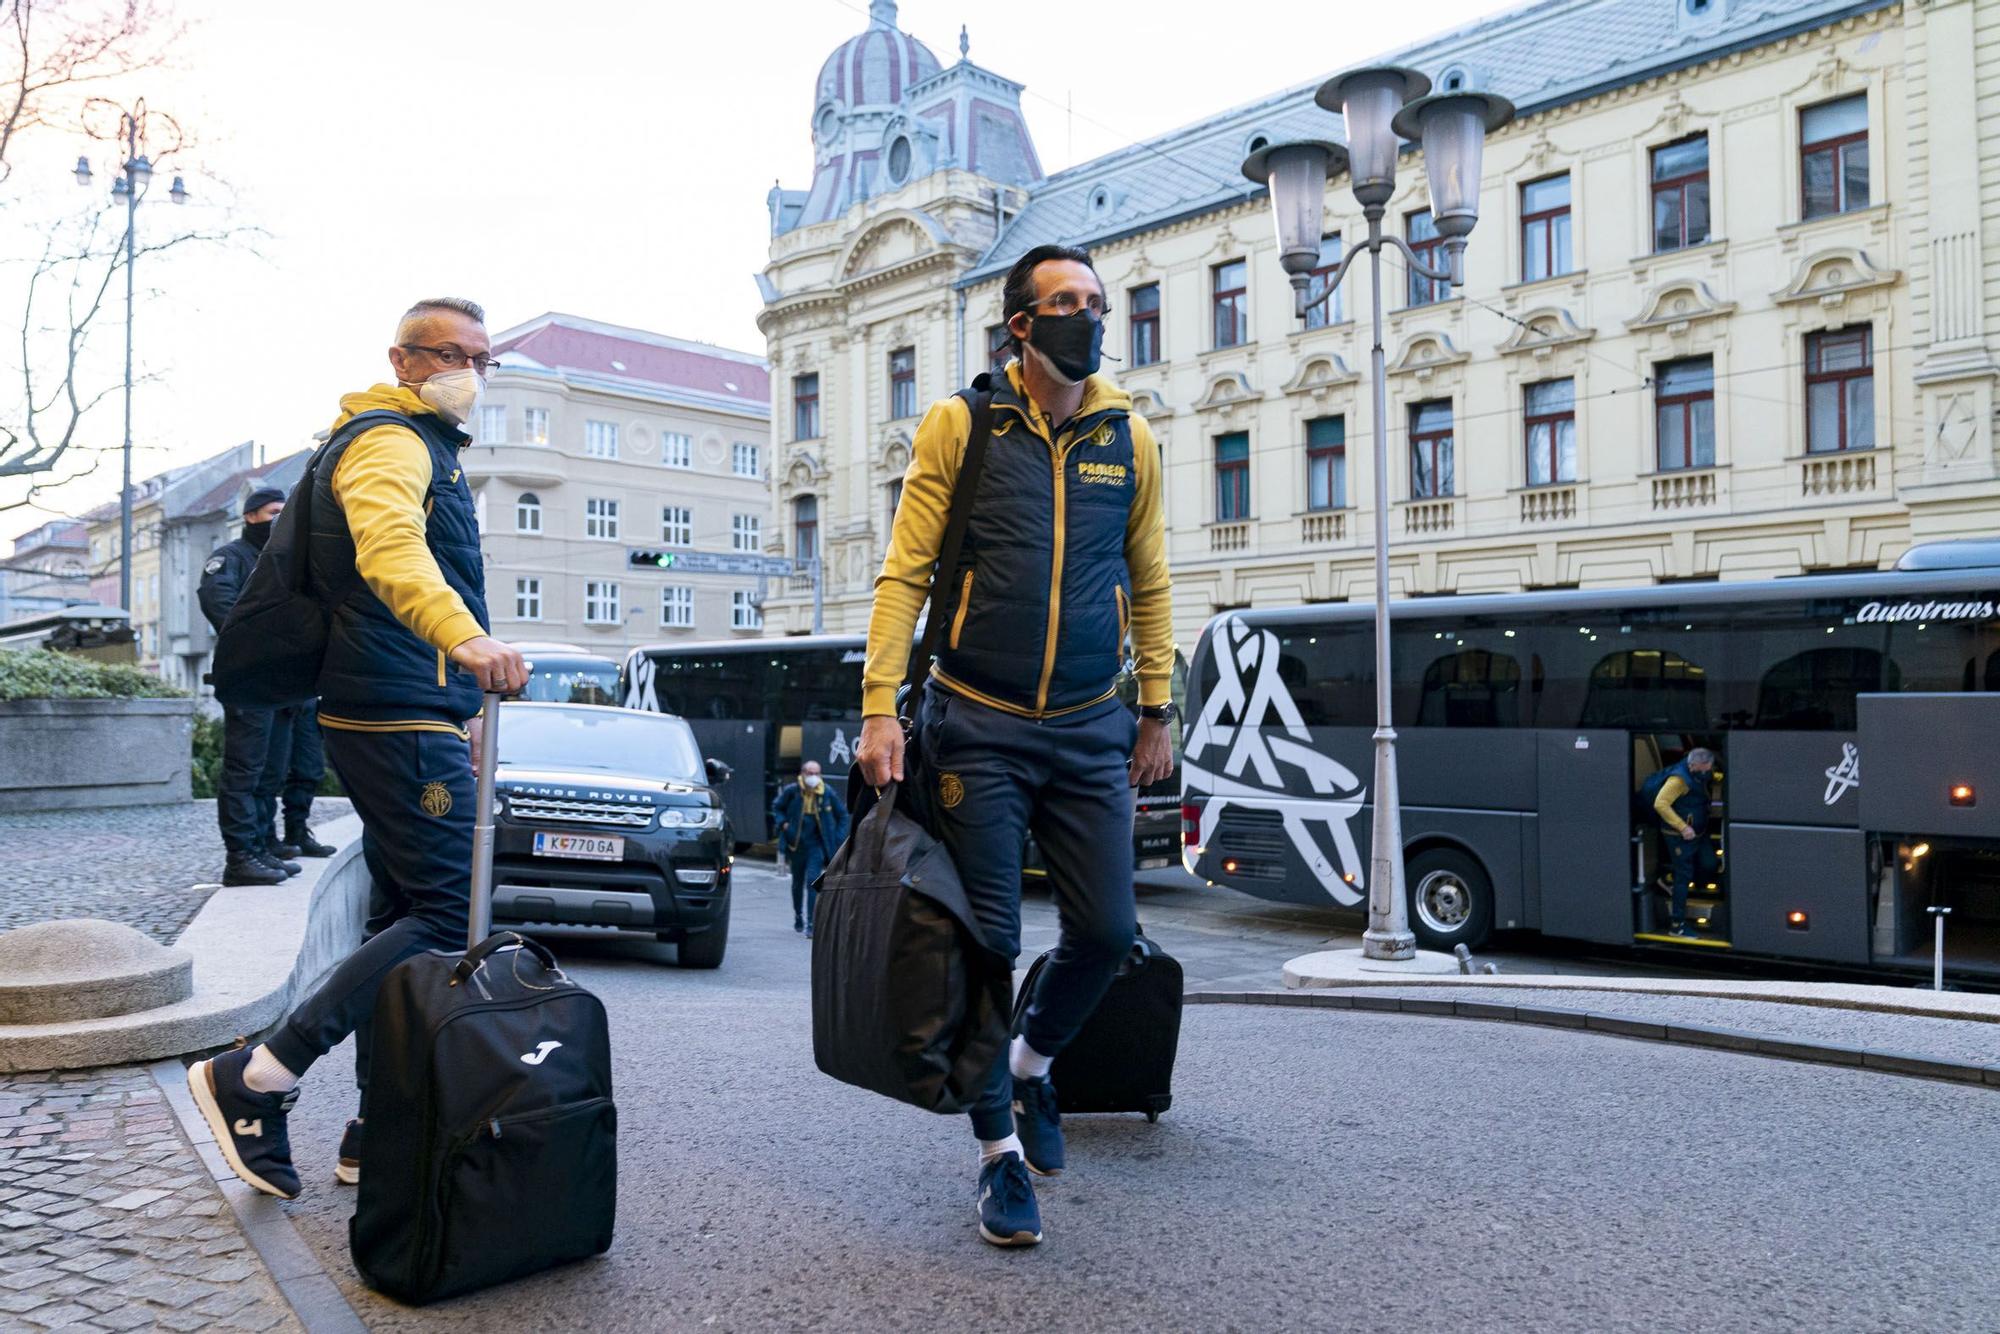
<point x="257" y="534"/>
<point x="1073" y="343"/>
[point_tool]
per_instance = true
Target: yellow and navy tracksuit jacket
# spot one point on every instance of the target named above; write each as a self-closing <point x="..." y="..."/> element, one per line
<point x="1064" y="554"/>
<point x="395" y="556"/>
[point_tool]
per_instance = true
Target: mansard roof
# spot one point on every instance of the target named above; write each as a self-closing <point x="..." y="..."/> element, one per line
<point x="1540" y="55"/>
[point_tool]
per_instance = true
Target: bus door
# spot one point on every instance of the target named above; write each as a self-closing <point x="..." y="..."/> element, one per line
<point x="1654" y="846"/>
<point x="1582" y="835"/>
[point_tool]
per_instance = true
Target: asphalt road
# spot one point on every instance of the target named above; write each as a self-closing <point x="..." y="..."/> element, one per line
<point x="1319" y="1169"/>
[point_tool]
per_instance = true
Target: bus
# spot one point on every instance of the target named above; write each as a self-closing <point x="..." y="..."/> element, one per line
<point x="1852" y="717"/>
<point x="764" y="706"/>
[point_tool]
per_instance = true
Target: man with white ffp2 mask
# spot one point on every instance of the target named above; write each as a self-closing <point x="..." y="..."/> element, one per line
<point x="808" y="822"/>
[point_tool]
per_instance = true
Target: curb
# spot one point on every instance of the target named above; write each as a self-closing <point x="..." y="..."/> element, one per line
<point x="313" y="1296"/>
<point x="1646" y="1030"/>
<point x="255" y="951"/>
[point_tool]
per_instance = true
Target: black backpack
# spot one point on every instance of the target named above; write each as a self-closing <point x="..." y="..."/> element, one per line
<point x="273" y="643"/>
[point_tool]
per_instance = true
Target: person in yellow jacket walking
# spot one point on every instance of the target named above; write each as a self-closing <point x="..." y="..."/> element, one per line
<point x="1021" y="728"/>
<point x="394" y="553"/>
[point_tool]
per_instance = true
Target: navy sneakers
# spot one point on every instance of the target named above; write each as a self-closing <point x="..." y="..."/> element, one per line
<point x="249" y="1127"/>
<point x="348" y="1170"/>
<point x="1007" y="1212"/>
<point x="1039" y="1125"/>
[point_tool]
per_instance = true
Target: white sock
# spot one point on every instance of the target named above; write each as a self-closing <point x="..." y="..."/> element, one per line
<point x="266" y="1074"/>
<point x="989" y="1149"/>
<point x="1027" y="1063"/>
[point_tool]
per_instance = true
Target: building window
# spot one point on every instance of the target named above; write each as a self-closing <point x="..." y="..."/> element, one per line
<point x="999" y="347"/>
<point x="1232" y="308"/>
<point x="535" y="426"/>
<point x="600" y="602"/>
<point x="743" y="460"/>
<point x="676" y="449"/>
<point x="805" y="407"/>
<point x="1550" y="411"/>
<point x="600" y="439"/>
<point x="746" y="532"/>
<point x="492" y="424"/>
<point x="677" y="525"/>
<point x="600" y="518"/>
<point x="1684" y="413"/>
<point x="479" y="512"/>
<point x="1326" y="463"/>
<point x="744" y="613"/>
<point x="1833" y="156"/>
<point x="527" y="599"/>
<point x="1320" y="290"/>
<point x="902" y="383"/>
<point x="1680" y="194"/>
<point x="677" y="607"/>
<point x="1232" y="477"/>
<point x="1422" y="235"/>
<point x="1430" y="450"/>
<point x="805" y="528"/>
<point x="528" y="513"/>
<point x="1840" y="391"/>
<point x="895" y="490"/>
<point x="1545" y="249"/>
<point x="1145" y="324"/>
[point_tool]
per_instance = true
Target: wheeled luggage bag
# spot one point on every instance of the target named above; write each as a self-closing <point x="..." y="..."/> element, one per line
<point x="1122" y="1060"/>
<point x="490" y="1140"/>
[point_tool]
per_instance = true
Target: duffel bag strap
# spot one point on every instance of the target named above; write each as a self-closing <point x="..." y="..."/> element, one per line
<point x="500" y="940"/>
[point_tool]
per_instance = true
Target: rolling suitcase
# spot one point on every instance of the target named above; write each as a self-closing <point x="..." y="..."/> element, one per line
<point x="490" y="1136"/>
<point x="1123" y="1058"/>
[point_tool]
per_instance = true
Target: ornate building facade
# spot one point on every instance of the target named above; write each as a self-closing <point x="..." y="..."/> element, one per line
<point x="1730" y="309"/>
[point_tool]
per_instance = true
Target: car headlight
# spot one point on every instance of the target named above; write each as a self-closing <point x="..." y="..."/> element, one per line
<point x="680" y="817"/>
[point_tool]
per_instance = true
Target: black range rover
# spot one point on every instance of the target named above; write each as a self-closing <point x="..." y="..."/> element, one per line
<point x="609" y="817"/>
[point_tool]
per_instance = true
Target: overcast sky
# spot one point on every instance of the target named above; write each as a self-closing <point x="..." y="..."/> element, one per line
<point x="606" y="159"/>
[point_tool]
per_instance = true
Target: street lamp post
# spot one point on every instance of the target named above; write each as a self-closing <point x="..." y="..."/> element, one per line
<point x="129" y="188"/>
<point x="1381" y="106"/>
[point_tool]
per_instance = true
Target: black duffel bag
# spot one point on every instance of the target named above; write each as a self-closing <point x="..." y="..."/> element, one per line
<point x="907" y="1000"/>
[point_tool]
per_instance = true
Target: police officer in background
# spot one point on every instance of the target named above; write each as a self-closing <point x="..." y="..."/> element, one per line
<point x="247" y="790"/>
<point x="1021" y="728"/>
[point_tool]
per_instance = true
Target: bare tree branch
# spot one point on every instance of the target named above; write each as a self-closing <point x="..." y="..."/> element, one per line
<point x="54" y="48"/>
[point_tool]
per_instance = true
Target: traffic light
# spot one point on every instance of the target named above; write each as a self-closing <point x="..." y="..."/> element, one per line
<point x="649" y="560"/>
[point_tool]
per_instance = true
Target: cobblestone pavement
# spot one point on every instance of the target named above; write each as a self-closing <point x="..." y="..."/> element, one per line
<point x="150" y="867"/>
<point x="107" y="1220"/>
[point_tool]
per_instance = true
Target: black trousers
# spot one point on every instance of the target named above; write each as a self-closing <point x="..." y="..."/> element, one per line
<point x="295" y="765"/>
<point x="248" y="780"/>
<point x="992" y="778"/>
<point x="414" y="794"/>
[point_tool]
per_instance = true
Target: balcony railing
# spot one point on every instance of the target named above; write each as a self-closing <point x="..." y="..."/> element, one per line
<point x="1315" y="529"/>
<point x="1835" y="476"/>
<point x="1229" y="537"/>
<point x="1548" y="505"/>
<point x="1430" y="518"/>
<point x="1684" y="490"/>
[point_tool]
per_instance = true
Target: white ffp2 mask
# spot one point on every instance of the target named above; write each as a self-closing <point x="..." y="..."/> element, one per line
<point x="454" y="395"/>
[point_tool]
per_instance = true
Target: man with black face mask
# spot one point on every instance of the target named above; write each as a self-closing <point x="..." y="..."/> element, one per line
<point x="1021" y="727"/>
<point x="247" y="781"/>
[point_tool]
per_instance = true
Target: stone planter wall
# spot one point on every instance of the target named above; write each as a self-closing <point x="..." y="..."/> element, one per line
<point x="61" y="754"/>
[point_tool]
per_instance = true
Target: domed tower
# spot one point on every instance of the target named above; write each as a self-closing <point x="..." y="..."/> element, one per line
<point x="861" y="87"/>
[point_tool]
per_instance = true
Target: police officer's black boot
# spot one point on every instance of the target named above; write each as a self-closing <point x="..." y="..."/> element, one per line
<point x="299" y="842"/>
<point x="245" y="868"/>
<point x="271" y="853"/>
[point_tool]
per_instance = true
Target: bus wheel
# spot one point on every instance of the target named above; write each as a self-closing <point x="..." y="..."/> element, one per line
<point x="1451" y="899"/>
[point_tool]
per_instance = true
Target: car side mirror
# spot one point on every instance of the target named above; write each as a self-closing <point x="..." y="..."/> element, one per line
<point x="718" y="772"/>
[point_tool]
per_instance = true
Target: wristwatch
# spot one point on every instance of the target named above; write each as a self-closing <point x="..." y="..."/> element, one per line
<point x="1164" y="713"/>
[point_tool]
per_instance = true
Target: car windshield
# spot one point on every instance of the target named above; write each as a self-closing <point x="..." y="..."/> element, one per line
<point x="556" y="680"/>
<point x="608" y="740"/>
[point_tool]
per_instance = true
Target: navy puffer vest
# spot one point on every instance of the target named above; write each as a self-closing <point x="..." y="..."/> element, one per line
<point x="376" y="669"/>
<point x="1691" y="805"/>
<point x="1042" y="597"/>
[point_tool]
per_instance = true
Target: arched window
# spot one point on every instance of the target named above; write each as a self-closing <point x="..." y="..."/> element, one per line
<point x="805" y="528"/>
<point x="528" y="513"/>
<point x="1815" y="690"/>
<point x="1651" y="689"/>
<point x="1471" y="688"/>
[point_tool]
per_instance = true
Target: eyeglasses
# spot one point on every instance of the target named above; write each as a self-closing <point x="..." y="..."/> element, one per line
<point x="1066" y="303"/>
<point x="451" y="358"/>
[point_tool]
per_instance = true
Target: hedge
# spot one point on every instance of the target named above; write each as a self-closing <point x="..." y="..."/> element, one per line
<point x="45" y="674"/>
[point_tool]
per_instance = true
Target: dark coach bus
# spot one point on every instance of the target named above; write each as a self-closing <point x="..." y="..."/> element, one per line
<point x="765" y="705"/>
<point x="1853" y="718"/>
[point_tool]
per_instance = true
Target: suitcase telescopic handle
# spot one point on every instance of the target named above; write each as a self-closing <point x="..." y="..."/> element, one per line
<point x="479" y="914"/>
